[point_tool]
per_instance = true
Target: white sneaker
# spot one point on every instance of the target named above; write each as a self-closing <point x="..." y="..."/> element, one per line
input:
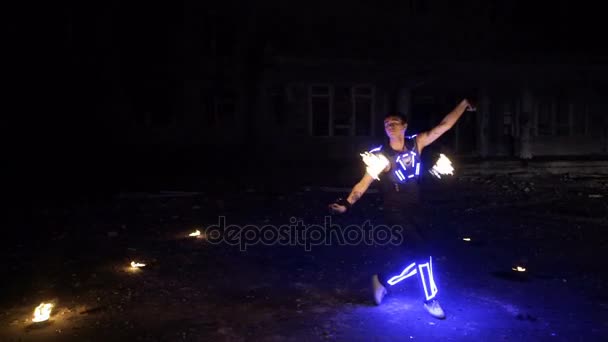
<point x="378" y="289"/>
<point x="434" y="309"/>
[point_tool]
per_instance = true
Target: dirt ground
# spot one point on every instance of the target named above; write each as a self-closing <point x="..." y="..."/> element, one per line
<point x="192" y="290"/>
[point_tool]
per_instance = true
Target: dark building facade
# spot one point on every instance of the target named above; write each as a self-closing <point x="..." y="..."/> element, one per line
<point x="523" y="110"/>
<point x="316" y="81"/>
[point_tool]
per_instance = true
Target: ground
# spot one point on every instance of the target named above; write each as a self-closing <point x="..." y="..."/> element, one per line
<point x="76" y="255"/>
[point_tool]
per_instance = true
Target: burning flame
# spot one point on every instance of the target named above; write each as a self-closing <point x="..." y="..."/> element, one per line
<point x="42" y="312"/>
<point x="196" y="233"/>
<point x="137" y="264"/>
<point x="375" y="163"/>
<point x="466" y="239"/>
<point x="443" y="166"/>
<point x="519" y="269"/>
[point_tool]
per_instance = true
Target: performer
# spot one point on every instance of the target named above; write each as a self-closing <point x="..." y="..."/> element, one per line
<point x="400" y="188"/>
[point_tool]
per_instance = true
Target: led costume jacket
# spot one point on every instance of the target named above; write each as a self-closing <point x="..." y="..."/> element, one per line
<point x="405" y="165"/>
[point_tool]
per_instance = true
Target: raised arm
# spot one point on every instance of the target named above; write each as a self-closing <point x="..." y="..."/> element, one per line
<point x="426" y="138"/>
<point x="357" y="192"/>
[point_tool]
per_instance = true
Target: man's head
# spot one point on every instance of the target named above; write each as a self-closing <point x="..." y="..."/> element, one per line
<point x="395" y="124"/>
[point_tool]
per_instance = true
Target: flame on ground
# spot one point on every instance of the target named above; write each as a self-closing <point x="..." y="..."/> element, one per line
<point x="42" y="312"/>
<point x="196" y="233"/>
<point x="137" y="264"/>
<point x="519" y="269"/>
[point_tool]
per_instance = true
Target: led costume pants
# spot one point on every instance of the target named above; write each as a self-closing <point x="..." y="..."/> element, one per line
<point x="400" y="209"/>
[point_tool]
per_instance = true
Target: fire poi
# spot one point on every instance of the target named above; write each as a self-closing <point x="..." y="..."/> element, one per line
<point x="443" y="166"/>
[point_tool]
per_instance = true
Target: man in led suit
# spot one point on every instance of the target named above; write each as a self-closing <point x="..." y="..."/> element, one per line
<point x="399" y="185"/>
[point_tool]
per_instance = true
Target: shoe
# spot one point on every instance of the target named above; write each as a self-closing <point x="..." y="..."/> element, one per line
<point x="378" y="289"/>
<point x="433" y="307"/>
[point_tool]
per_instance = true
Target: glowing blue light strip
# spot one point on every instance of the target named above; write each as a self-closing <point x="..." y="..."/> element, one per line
<point x="406" y="273"/>
<point x="432" y="286"/>
<point x="417" y="169"/>
<point x="400" y="175"/>
<point x="400" y="162"/>
<point x="376" y="149"/>
<point x="410" y="176"/>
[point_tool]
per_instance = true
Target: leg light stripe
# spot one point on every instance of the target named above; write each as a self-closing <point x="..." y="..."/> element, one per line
<point x="406" y="273"/>
<point x="431" y="280"/>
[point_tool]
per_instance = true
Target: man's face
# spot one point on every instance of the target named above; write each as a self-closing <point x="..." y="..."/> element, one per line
<point x="394" y="127"/>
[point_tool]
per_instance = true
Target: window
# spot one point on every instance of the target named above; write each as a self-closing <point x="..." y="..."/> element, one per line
<point x="320" y="107"/>
<point x="562" y="115"/>
<point x="277" y="104"/>
<point x="502" y="119"/>
<point x="219" y="108"/>
<point x="342" y="116"/>
<point x="507" y="118"/>
<point x="579" y="118"/>
<point x="544" y="123"/>
<point x="225" y="40"/>
<point x="226" y="108"/>
<point x="596" y="120"/>
<point x="208" y="110"/>
<point x="341" y="110"/>
<point x="507" y="121"/>
<point x="418" y="7"/>
<point x="363" y="110"/>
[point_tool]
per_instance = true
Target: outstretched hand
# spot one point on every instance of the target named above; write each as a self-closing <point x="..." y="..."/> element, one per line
<point x="340" y="206"/>
<point x="336" y="208"/>
<point x="471" y="106"/>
